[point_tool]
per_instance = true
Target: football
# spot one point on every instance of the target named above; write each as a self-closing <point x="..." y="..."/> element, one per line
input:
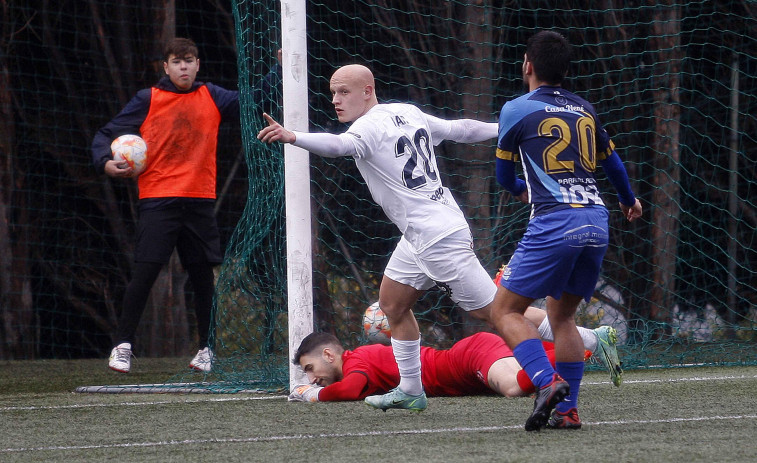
<point x="133" y="150"/>
<point x="375" y="325"/>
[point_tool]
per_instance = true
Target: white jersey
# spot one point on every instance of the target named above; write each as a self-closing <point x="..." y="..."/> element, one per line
<point x="395" y="154"/>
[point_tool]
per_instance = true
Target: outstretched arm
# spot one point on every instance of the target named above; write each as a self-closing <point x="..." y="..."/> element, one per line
<point x="461" y="130"/>
<point x="322" y="144"/>
<point x="305" y="393"/>
<point x="352" y="387"/>
<point x="275" y="132"/>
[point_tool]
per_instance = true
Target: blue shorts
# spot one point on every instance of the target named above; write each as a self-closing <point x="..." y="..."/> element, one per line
<point x="561" y="251"/>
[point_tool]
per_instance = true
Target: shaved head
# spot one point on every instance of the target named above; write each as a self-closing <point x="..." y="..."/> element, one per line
<point x="355" y="73"/>
<point x="353" y="89"/>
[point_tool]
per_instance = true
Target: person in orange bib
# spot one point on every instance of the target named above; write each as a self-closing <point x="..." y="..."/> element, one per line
<point x="178" y="119"/>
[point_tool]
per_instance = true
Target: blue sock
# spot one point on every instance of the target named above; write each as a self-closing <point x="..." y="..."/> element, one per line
<point x="531" y="356"/>
<point x="572" y="372"/>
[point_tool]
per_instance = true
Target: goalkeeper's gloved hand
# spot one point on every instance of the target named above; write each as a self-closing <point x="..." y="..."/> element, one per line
<point x="305" y="393"/>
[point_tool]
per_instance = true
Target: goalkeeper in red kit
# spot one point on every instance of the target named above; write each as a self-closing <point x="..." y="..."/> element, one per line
<point x="481" y="364"/>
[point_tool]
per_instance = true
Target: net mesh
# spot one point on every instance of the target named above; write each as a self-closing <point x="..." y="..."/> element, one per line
<point x="672" y="81"/>
<point x="679" y="285"/>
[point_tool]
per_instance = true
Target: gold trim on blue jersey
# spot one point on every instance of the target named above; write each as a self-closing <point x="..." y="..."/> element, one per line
<point x="602" y="155"/>
<point x="507" y="155"/>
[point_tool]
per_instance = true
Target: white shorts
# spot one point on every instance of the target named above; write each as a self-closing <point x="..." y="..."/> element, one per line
<point x="450" y="263"/>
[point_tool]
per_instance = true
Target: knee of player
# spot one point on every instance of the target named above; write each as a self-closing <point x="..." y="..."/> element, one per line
<point x="514" y="391"/>
<point x="508" y="389"/>
<point x="483" y="313"/>
<point x="393" y="309"/>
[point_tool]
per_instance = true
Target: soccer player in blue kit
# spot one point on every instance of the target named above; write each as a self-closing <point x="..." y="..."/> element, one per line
<point x="559" y="141"/>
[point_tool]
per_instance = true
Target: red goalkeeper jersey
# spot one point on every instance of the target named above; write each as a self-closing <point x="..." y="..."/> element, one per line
<point x="461" y="370"/>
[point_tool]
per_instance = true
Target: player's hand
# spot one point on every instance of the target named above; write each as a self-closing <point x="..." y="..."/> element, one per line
<point x="632" y="213"/>
<point x="275" y="132"/>
<point x="305" y="393"/>
<point x="118" y="169"/>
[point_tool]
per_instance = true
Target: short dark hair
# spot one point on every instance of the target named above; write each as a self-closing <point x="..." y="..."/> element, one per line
<point x="550" y="54"/>
<point x="313" y="342"/>
<point x="180" y="47"/>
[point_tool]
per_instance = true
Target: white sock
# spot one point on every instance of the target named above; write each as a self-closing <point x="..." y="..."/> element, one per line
<point x="588" y="336"/>
<point x="408" y="357"/>
<point x="545" y="330"/>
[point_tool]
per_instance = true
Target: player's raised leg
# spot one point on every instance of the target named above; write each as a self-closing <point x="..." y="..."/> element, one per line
<point x="396" y="300"/>
<point x="601" y="342"/>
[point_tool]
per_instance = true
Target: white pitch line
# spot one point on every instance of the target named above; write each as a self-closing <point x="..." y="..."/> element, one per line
<point x="674" y="380"/>
<point x="292" y="437"/>
<point x="276" y="397"/>
<point x="137" y="404"/>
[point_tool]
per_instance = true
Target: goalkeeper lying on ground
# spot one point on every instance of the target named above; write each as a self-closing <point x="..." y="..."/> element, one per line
<point x="481" y="364"/>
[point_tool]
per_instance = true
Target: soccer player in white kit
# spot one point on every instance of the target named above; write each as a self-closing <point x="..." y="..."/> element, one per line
<point x="393" y="147"/>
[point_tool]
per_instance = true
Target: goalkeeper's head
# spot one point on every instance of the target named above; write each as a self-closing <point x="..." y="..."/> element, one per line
<point x="320" y="356"/>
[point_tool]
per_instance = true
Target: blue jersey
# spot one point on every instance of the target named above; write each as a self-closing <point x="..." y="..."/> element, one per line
<point x="559" y="140"/>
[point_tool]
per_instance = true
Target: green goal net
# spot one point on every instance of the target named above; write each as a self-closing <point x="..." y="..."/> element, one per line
<point x="674" y="83"/>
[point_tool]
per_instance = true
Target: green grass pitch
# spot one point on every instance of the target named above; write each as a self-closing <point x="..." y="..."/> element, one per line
<point x="657" y="415"/>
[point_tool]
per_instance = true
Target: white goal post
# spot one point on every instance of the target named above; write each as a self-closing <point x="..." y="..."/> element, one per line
<point x="296" y="181"/>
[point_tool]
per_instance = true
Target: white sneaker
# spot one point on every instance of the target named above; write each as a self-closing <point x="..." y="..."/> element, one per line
<point x="120" y="358"/>
<point x="203" y="361"/>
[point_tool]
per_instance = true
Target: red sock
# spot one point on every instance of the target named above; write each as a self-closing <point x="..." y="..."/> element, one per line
<point x="551" y="356"/>
<point x="524" y="382"/>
